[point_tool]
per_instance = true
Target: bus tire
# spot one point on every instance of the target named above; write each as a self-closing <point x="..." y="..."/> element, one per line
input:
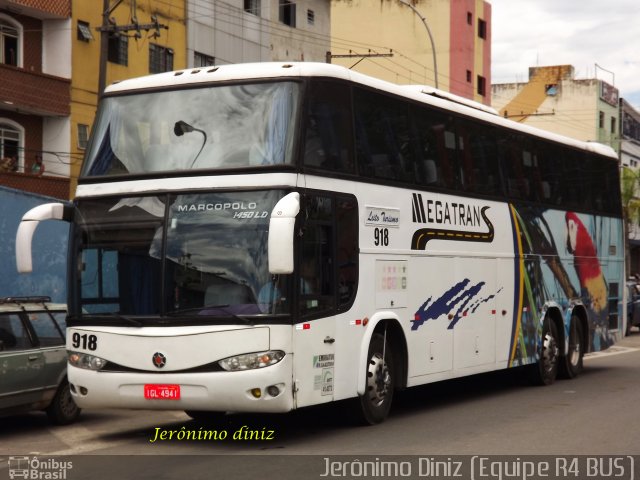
<point x="545" y="371"/>
<point x="380" y="382"/>
<point x="571" y="365"/>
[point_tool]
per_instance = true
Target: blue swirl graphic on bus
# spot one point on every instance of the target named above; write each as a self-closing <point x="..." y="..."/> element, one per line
<point x="456" y="302"/>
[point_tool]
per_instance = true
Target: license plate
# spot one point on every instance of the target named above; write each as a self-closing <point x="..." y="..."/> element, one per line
<point x="162" y="392"/>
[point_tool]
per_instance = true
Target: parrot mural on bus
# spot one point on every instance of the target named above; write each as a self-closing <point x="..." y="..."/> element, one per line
<point x="581" y="246"/>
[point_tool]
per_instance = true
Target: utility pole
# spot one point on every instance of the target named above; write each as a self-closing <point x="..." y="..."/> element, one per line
<point x="109" y="26"/>
<point x="433" y="45"/>
<point x="361" y="56"/>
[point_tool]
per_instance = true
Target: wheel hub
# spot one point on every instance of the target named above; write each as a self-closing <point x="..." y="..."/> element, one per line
<point x="378" y="379"/>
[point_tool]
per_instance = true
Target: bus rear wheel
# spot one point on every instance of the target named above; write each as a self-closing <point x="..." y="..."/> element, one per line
<point x="375" y="403"/>
<point x="545" y="371"/>
<point x="572" y="363"/>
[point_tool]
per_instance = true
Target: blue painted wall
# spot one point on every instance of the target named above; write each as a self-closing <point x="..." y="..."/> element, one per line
<point x="49" y="276"/>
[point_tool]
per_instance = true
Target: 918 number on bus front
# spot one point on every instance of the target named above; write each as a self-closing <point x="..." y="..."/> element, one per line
<point x="84" y="341"/>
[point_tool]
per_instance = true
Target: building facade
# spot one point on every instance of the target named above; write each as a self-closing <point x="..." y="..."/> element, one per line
<point x="630" y="158"/>
<point x="450" y="37"/>
<point x="35" y="80"/>
<point x="53" y="65"/>
<point x="240" y="31"/>
<point x="553" y="99"/>
<point x="141" y="38"/>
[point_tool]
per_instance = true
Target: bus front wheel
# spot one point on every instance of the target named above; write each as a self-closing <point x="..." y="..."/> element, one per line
<point x="375" y="403"/>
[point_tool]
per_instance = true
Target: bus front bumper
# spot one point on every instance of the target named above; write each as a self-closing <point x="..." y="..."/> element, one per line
<point x="266" y="389"/>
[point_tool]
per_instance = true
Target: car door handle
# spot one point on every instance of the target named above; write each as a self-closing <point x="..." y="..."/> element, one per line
<point x="33" y="358"/>
<point x="329" y="340"/>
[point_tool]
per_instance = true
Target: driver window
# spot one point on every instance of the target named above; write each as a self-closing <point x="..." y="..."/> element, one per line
<point x="328" y="263"/>
<point x="316" y="282"/>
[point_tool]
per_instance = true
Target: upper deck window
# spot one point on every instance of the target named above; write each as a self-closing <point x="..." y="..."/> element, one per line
<point x="209" y="128"/>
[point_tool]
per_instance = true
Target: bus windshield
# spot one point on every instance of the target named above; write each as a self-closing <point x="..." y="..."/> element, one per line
<point x="208" y="128"/>
<point x="187" y="255"/>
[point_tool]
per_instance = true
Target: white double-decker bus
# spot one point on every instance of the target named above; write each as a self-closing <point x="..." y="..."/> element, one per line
<point x="265" y="237"/>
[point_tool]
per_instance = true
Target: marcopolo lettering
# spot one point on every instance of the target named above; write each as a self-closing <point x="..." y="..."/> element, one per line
<point x="217" y="207"/>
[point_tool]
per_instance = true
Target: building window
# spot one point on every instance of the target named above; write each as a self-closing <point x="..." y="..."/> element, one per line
<point x="601" y="120"/>
<point x="83" y="136"/>
<point x="288" y="13"/>
<point x="118" y="49"/>
<point x="84" y="31"/>
<point x="482" y="86"/>
<point x="482" y="28"/>
<point x="469" y="76"/>
<point x="9" y="148"/>
<point x="311" y="17"/>
<point x="469" y="18"/>
<point x="252" y="7"/>
<point x="160" y="59"/>
<point x="9" y="42"/>
<point x="613" y="124"/>
<point x="202" y="60"/>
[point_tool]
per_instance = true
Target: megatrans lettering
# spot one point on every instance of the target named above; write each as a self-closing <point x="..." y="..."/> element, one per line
<point x="446" y="213"/>
<point x="455" y="214"/>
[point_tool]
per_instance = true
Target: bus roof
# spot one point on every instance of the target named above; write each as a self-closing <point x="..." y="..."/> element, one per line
<point x="271" y="70"/>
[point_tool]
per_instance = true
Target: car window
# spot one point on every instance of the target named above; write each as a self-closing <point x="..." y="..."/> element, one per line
<point x="13" y="335"/>
<point x="61" y="320"/>
<point x="46" y="330"/>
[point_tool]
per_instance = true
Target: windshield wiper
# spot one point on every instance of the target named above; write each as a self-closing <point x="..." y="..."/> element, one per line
<point x="224" y="307"/>
<point x="129" y="320"/>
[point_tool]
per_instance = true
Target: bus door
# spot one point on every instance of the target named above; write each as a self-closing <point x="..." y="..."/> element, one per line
<point x="326" y="283"/>
<point x="314" y="334"/>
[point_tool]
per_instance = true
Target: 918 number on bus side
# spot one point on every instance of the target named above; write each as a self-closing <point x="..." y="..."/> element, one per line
<point x="381" y="237"/>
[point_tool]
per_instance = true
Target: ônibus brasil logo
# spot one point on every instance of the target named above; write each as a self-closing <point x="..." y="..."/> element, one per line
<point x="35" y="468"/>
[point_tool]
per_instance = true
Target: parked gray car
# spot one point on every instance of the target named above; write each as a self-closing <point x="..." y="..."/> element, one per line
<point x="33" y="359"/>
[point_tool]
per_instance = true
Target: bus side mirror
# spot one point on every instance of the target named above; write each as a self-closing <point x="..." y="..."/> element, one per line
<point x="281" y="229"/>
<point x="28" y="225"/>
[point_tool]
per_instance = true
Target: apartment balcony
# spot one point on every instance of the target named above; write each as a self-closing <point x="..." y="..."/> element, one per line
<point x="34" y="93"/>
<point x="56" y="187"/>
<point x="42" y="9"/>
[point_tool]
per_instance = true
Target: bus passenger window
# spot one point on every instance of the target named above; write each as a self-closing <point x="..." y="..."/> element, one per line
<point x="435" y="145"/>
<point x="478" y="151"/>
<point x="513" y="158"/>
<point x="328" y="142"/>
<point x="383" y="142"/>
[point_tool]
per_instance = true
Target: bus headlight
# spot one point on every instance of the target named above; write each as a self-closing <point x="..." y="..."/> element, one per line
<point x="86" y="361"/>
<point x="250" y="361"/>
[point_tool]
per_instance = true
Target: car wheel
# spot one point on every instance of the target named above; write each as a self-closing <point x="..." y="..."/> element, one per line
<point x="63" y="410"/>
